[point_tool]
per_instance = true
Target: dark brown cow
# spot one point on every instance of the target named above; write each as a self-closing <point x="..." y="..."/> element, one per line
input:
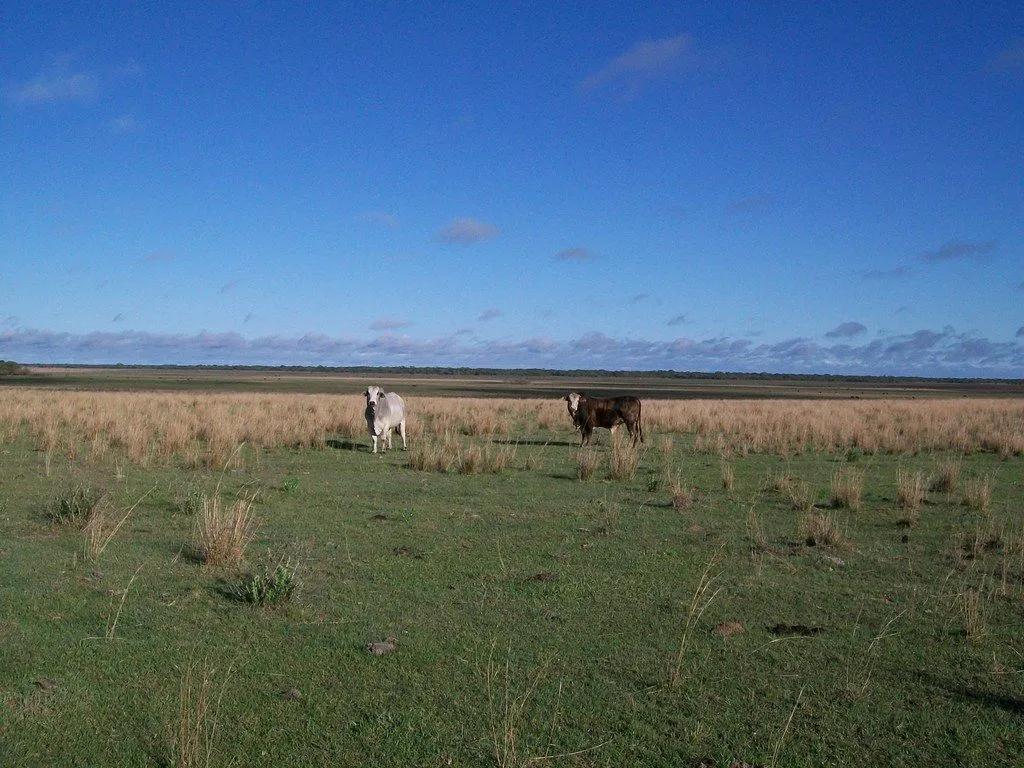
<point x="607" y="412"/>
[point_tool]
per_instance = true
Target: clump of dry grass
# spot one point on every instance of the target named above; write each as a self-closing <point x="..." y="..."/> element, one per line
<point x="625" y="458"/>
<point x="947" y="478"/>
<point x="910" y="493"/>
<point x="728" y="476"/>
<point x="778" y="482"/>
<point x="682" y="496"/>
<point x="848" y="489"/>
<point x="497" y="456"/>
<point x="801" y="496"/>
<point x="196" y="730"/>
<point x="222" y="532"/>
<point x="972" y="610"/>
<point x="978" y="493"/>
<point x="587" y="462"/>
<point x="822" y="529"/>
<point x="755" y="529"/>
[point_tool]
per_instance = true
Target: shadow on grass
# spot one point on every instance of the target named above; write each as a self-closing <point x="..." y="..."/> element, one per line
<point x="1008" y="703"/>
<point x="347" y="445"/>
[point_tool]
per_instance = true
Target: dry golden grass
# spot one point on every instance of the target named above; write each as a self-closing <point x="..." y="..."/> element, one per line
<point x="222" y="532"/>
<point x="978" y="493"/>
<point x="625" y="458"/>
<point x="822" y="528"/>
<point x="947" y="478"/>
<point x="910" y="492"/>
<point x="202" y="429"/>
<point x="587" y="462"/>
<point x="848" y="489"/>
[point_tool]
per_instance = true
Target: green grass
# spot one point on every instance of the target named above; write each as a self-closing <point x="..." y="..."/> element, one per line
<point x="536" y="616"/>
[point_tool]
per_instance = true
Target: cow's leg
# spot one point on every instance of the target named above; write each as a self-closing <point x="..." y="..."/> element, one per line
<point x="401" y="431"/>
<point x="585" y="431"/>
<point x="374" y="438"/>
<point x="387" y="439"/>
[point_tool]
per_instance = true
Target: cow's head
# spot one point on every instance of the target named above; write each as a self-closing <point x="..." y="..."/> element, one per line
<point x="372" y="395"/>
<point x="573" y="401"/>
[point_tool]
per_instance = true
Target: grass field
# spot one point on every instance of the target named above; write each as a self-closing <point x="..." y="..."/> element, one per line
<point x="781" y="581"/>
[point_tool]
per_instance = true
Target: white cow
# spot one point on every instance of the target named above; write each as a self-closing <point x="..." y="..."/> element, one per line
<point x="384" y="413"/>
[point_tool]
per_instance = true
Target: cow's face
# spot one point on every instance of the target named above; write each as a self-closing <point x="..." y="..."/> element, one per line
<point x="372" y="395"/>
<point x="573" y="400"/>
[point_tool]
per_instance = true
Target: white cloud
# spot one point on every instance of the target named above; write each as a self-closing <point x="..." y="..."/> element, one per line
<point x="490" y="314"/>
<point x="925" y="352"/>
<point x="124" y="124"/>
<point x="466" y="232"/>
<point x="645" y="61"/>
<point x="55" y="84"/>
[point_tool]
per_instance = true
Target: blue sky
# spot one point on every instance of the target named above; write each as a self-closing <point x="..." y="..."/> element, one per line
<point x="721" y="186"/>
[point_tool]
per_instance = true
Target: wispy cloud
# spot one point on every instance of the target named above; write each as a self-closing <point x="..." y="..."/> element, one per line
<point x="751" y="205"/>
<point x="466" y="232"/>
<point x="229" y="286"/>
<point x="846" y="330"/>
<point x="58" y="82"/>
<point x="117" y="318"/>
<point x="925" y="352"/>
<point x="389" y="324"/>
<point x="490" y="314"/>
<point x="124" y="124"/>
<point x="885" y="274"/>
<point x="959" y="249"/>
<point x="575" y="254"/>
<point x="645" y="61"/>
<point x="678" y="320"/>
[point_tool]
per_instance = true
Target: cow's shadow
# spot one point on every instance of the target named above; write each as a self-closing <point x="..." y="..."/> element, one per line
<point x="347" y="445"/>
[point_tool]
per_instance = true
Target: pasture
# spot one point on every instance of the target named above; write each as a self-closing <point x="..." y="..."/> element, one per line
<point x="780" y="581"/>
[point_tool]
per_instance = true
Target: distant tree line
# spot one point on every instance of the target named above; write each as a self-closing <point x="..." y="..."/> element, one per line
<point x="463" y="372"/>
<point x="11" y="368"/>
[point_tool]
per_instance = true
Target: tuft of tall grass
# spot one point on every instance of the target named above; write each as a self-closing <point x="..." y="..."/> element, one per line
<point x="198" y="714"/>
<point x="822" y="528"/>
<point x="682" y="496"/>
<point x="75" y="505"/>
<point x="971" y="606"/>
<point x="625" y="458"/>
<point x="978" y="493"/>
<point x="848" y="489"/>
<point x="755" y="529"/>
<point x="947" y="478"/>
<point x="910" y="493"/>
<point x="728" y="476"/>
<point x="587" y="462"/>
<point x="222" y="532"/>
<point x="801" y="496"/>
